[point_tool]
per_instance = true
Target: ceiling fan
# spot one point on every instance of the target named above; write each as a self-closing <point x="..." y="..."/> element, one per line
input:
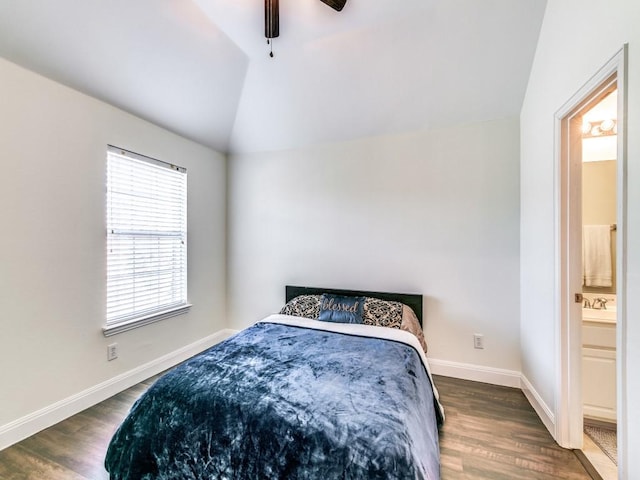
<point x="335" y="4"/>
<point x="272" y="17"/>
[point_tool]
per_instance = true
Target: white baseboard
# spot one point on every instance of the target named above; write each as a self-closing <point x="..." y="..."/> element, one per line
<point x="477" y="373"/>
<point x="542" y="409"/>
<point x="497" y="376"/>
<point x="31" y="424"/>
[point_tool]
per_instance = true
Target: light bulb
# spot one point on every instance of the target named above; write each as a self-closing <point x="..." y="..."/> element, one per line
<point x="607" y="125"/>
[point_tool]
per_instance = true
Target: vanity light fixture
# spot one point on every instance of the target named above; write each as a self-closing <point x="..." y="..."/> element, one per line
<point x="607" y="125"/>
<point x="599" y="128"/>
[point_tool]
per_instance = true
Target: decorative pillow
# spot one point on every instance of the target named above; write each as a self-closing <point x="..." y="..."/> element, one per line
<point x="338" y="309"/>
<point x="410" y="323"/>
<point x="382" y="313"/>
<point x="369" y="311"/>
<point x="307" y="306"/>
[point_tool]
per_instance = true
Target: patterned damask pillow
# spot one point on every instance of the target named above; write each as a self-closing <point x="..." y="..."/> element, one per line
<point x="382" y="313"/>
<point x="307" y="306"/>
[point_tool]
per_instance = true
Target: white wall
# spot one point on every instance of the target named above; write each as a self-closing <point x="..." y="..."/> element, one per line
<point x="52" y="248"/>
<point x="578" y="37"/>
<point x="434" y="212"/>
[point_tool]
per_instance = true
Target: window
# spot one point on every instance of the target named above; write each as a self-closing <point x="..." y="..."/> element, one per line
<point x="146" y="240"/>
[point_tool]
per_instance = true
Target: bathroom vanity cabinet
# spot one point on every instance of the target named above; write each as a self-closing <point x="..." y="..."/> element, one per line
<point x="599" y="366"/>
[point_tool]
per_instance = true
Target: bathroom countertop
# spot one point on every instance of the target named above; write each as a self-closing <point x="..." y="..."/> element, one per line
<point x="601" y="316"/>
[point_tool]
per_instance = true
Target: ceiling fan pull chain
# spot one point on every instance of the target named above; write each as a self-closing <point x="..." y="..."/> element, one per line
<point x="271" y="21"/>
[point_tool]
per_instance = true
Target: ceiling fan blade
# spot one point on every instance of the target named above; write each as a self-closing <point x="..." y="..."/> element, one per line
<point x="335" y="4"/>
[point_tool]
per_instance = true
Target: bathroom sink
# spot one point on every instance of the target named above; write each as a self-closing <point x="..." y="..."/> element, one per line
<point x="599" y="315"/>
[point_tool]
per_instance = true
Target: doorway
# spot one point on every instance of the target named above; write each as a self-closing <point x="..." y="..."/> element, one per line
<point x="594" y="353"/>
<point x="599" y="304"/>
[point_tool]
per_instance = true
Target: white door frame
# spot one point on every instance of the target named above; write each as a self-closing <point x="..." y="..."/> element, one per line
<point x="568" y="276"/>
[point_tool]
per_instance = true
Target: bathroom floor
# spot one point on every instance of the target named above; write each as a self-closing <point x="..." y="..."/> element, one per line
<point x="605" y="438"/>
<point x="600" y="448"/>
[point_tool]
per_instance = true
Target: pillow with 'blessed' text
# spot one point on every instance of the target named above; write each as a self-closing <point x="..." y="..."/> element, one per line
<point x="339" y="309"/>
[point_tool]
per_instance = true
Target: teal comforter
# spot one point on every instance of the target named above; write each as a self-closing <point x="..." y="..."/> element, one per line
<point x="285" y="402"/>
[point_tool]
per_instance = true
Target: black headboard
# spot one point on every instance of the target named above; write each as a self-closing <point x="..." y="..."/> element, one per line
<point x="412" y="300"/>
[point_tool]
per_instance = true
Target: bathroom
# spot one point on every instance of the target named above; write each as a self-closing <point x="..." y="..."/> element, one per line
<point x="599" y="218"/>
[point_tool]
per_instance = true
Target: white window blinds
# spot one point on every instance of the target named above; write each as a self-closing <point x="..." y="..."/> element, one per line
<point x="146" y="239"/>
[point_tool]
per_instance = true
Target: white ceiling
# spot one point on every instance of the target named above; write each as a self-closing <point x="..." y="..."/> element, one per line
<point x="162" y="60"/>
<point x="201" y="67"/>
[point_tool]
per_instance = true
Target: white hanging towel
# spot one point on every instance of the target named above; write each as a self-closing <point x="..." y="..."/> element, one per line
<point x="596" y="255"/>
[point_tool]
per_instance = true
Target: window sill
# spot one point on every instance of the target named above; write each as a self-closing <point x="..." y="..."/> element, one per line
<point x="110" y="330"/>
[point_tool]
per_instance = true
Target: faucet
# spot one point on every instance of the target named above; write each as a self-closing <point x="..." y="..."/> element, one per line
<point x="600" y="303"/>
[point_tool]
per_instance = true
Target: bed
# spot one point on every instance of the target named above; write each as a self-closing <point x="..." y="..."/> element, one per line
<point x="294" y="397"/>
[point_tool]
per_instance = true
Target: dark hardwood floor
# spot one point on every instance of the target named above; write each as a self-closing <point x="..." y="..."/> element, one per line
<point x="490" y="433"/>
<point x="493" y="433"/>
<point x="73" y="449"/>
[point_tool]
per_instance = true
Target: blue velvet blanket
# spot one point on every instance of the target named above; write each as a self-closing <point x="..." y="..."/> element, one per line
<point x="285" y="402"/>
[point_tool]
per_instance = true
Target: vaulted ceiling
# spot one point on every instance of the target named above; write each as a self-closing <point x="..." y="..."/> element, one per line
<point x="201" y="67"/>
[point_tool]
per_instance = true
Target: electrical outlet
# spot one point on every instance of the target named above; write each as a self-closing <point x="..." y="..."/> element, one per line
<point x="478" y="340"/>
<point x="112" y="351"/>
